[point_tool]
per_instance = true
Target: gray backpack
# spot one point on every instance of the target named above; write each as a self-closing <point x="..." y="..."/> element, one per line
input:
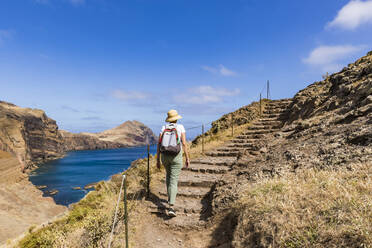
<point x="170" y="143"/>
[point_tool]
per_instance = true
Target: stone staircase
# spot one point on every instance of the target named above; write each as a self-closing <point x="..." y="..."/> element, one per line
<point x="196" y="182"/>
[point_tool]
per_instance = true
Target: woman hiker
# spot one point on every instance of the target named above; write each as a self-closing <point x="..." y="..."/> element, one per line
<point x="172" y="142"/>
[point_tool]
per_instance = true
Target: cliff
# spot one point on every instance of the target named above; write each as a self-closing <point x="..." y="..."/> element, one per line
<point x="21" y="204"/>
<point x="29" y="137"/>
<point x="80" y="141"/>
<point x="33" y="137"/>
<point x="29" y="134"/>
<point x="130" y="133"/>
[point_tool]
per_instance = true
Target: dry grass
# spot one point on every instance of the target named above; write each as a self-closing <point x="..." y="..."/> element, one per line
<point x="215" y="140"/>
<point x="89" y="222"/>
<point x="307" y="209"/>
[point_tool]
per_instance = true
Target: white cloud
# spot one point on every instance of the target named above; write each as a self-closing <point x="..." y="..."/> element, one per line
<point x="129" y="95"/>
<point x="226" y="72"/>
<point x="328" y="58"/>
<point x="209" y="69"/>
<point x="205" y="94"/>
<point x="353" y="14"/>
<point x="221" y="69"/>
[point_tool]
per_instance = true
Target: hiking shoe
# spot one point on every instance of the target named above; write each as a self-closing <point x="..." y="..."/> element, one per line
<point x="171" y="212"/>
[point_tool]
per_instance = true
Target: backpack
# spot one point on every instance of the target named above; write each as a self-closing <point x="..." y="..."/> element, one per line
<point x="170" y="143"/>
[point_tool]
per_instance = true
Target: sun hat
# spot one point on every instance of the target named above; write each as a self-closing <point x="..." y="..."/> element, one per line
<point x="173" y="116"/>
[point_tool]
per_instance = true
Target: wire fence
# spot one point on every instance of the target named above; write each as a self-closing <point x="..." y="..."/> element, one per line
<point x="144" y="178"/>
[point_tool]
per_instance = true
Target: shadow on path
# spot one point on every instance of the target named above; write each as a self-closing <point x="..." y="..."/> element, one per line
<point x="161" y="204"/>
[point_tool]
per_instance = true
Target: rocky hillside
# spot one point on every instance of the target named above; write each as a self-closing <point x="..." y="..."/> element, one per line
<point x="28" y="137"/>
<point x="327" y="127"/>
<point x="130" y="133"/>
<point x="241" y="116"/>
<point x="29" y="134"/>
<point x="21" y="203"/>
<point x="33" y="137"/>
<point x="80" y="141"/>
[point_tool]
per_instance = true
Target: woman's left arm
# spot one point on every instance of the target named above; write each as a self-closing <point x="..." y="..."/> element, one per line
<point x="185" y="149"/>
<point x="158" y="155"/>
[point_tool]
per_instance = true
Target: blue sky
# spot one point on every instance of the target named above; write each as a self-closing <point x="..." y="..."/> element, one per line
<point x="92" y="64"/>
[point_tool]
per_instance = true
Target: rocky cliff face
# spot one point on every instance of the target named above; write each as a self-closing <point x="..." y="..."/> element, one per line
<point x="21" y="203"/>
<point x="79" y="141"/>
<point x="34" y="138"/>
<point x="29" y="134"/>
<point x="130" y="133"/>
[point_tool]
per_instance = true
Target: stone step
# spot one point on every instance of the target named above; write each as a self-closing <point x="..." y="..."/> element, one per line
<point x="225" y="161"/>
<point x="265" y="122"/>
<point x="279" y="104"/>
<point x="271" y="115"/>
<point x="256" y="127"/>
<point x="284" y="100"/>
<point x="263" y="127"/>
<point x="275" y="106"/>
<point x="265" y="131"/>
<point x="185" y="222"/>
<point x="230" y="149"/>
<point x="205" y="168"/>
<point x="247" y="138"/>
<point x="191" y="179"/>
<point x="254" y="153"/>
<point x="244" y="137"/>
<point x="182" y="205"/>
<point x="270" y="111"/>
<point x="191" y="192"/>
<point x="246" y="145"/>
<point x="223" y="154"/>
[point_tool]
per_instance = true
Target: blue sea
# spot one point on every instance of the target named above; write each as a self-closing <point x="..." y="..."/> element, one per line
<point x="79" y="168"/>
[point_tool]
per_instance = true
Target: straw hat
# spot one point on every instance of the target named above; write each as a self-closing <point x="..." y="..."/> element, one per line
<point x="173" y="116"/>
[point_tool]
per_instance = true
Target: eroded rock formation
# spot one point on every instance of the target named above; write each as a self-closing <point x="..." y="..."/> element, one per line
<point x="29" y="134"/>
<point x="79" y="141"/>
<point x="130" y="133"/>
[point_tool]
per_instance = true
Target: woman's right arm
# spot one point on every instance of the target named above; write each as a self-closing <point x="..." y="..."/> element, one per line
<point x="185" y="149"/>
<point x="158" y="155"/>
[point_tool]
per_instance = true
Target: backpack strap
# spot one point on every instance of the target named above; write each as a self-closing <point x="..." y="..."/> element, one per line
<point x="169" y="128"/>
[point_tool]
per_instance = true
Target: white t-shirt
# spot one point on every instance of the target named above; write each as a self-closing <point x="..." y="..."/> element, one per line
<point x="179" y="127"/>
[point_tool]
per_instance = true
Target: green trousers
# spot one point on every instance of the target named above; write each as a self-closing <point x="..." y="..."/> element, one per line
<point x="173" y="167"/>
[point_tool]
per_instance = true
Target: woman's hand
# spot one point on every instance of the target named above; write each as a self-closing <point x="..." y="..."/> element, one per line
<point x="158" y="164"/>
<point x="187" y="164"/>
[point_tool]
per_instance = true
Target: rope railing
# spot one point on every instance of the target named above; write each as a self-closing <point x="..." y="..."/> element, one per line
<point x="116" y="211"/>
<point x="146" y="153"/>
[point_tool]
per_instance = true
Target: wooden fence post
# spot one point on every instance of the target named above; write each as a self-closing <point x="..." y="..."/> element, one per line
<point x="148" y="170"/>
<point x="232" y="124"/>
<point x="203" y="138"/>
<point x="126" y="215"/>
<point x="260" y="105"/>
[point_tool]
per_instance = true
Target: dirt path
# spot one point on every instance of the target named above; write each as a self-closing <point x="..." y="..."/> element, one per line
<point x="192" y="226"/>
<point x="156" y="232"/>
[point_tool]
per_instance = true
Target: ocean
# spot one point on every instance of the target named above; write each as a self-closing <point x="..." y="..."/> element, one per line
<point x="80" y="168"/>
